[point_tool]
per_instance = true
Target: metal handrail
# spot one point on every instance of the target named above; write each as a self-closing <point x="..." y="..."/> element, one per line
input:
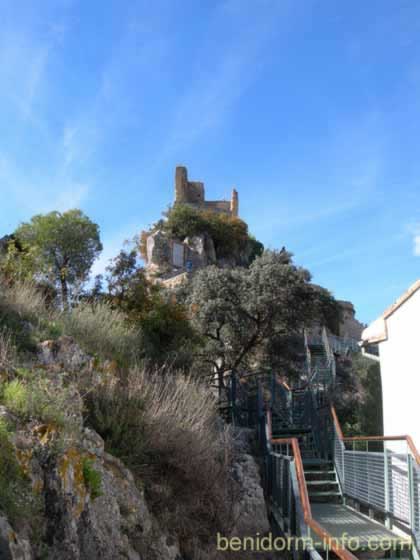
<point x="342" y="553"/>
<point x="396" y="491"/>
<point x="408" y="439"/>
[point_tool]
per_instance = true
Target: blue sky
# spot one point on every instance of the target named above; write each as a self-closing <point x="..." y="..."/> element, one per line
<point x="311" y="109"/>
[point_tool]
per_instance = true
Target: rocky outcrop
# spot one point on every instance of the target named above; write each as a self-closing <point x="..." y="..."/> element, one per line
<point x="88" y="506"/>
<point x="159" y="253"/>
<point x="77" y="521"/>
<point x="349" y="326"/>
<point x="63" y="353"/>
<point x="13" y="546"/>
<point x="251" y="509"/>
<point x="167" y="257"/>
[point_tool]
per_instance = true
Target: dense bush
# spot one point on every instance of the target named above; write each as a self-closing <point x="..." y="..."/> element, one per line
<point x="358" y="396"/>
<point x="167" y="335"/>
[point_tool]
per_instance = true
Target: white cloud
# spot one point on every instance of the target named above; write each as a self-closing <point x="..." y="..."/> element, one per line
<point x="71" y="196"/>
<point x="416" y="242"/>
<point x="35" y="193"/>
<point x="413" y="229"/>
<point x="227" y="70"/>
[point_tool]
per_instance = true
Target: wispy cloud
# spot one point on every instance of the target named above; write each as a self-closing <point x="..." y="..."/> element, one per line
<point x="37" y="193"/>
<point x="414" y="232"/>
<point x="228" y="69"/>
<point x="24" y="59"/>
<point x="417" y="245"/>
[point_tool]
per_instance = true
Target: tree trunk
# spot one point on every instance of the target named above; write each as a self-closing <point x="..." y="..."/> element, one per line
<point x="64" y="291"/>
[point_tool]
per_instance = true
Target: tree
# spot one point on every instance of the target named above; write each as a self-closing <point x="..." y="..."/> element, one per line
<point x="358" y="395"/>
<point x="128" y="287"/>
<point x="166" y="331"/>
<point x="241" y="313"/>
<point x="64" y="247"/>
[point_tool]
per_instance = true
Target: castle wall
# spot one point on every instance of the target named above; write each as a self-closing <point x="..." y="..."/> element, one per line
<point x="193" y="193"/>
<point x="195" y="190"/>
<point x="222" y="206"/>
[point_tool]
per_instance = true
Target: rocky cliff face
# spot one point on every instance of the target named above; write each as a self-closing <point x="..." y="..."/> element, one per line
<point x="83" y="503"/>
<point x="74" y="520"/>
<point x="168" y="257"/>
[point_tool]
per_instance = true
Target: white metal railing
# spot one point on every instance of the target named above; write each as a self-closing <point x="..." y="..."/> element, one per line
<point x="342" y="345"/>
<point x="386" y="480"/>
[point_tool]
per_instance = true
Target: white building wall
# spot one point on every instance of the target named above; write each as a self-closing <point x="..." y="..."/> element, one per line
<point x="400" y="370"/>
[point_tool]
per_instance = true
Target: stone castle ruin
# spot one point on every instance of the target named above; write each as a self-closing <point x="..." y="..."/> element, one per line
<point x="193" y="194"/>
<point x="170" y="259"/>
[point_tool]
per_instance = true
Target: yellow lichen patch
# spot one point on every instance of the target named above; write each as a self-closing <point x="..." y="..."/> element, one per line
<point x="45" y="433"/>
<point x="24" y="457"/>
<point x="37" y="486"/>
<point x="70" y="469"/>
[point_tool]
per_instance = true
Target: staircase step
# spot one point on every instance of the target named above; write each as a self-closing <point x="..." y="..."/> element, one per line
<point x="321" y="483"/>
<point x="321" y="476"/>
<point x="316" y="462"/>
<point x="300" y="430"/>
<point x="326" y="494"/>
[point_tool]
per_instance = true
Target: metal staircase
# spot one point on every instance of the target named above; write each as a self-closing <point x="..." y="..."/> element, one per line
<point x="321" y="486"/>
<point x="366" y="494"/>
<point x="322" y="482"/>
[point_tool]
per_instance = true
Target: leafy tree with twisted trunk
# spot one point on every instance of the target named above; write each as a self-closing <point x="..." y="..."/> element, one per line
<point x="63" y="247"/>
<point x="241" y="312"/>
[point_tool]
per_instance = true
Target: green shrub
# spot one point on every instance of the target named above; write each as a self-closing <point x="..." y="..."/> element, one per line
<point x="92" y="478"/>
<point x="33" y="396"/>
<point x="15" y="397"/>
<point x="14" y="487"/>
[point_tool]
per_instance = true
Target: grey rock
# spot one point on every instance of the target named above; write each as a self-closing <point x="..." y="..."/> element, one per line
<point x="250" y="511"/>
<point x="7" y="416"/>
<point x="115" y="525"/>
<point x="158" y="249"/>
<point x="63" y="352"/>
<point x="13" y="546"/>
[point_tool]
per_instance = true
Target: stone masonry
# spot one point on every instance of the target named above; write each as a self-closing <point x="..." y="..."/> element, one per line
<point x="193" y="194"/>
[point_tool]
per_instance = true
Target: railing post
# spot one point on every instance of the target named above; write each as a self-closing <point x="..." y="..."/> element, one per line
<point x="273" y="389"/>
<point x="411" y="492"/>
<point x="387" y="490"/>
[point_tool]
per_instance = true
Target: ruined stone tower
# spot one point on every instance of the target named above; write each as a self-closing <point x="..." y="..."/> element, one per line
<point x="193" y="194"/>
<point x="234" y="203"/>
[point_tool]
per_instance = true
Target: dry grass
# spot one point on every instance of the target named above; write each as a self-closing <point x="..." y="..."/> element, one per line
<point x="188" y="458"/>
<point x="7" y="353"/>
<point x="102" y="331"/>
<point x="22" y="312"/>
<point x="166" y="428"/>
<point x="24" y="299"/>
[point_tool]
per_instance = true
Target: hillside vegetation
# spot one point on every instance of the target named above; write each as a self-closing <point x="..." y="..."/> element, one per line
<point x="104" y="387"/>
